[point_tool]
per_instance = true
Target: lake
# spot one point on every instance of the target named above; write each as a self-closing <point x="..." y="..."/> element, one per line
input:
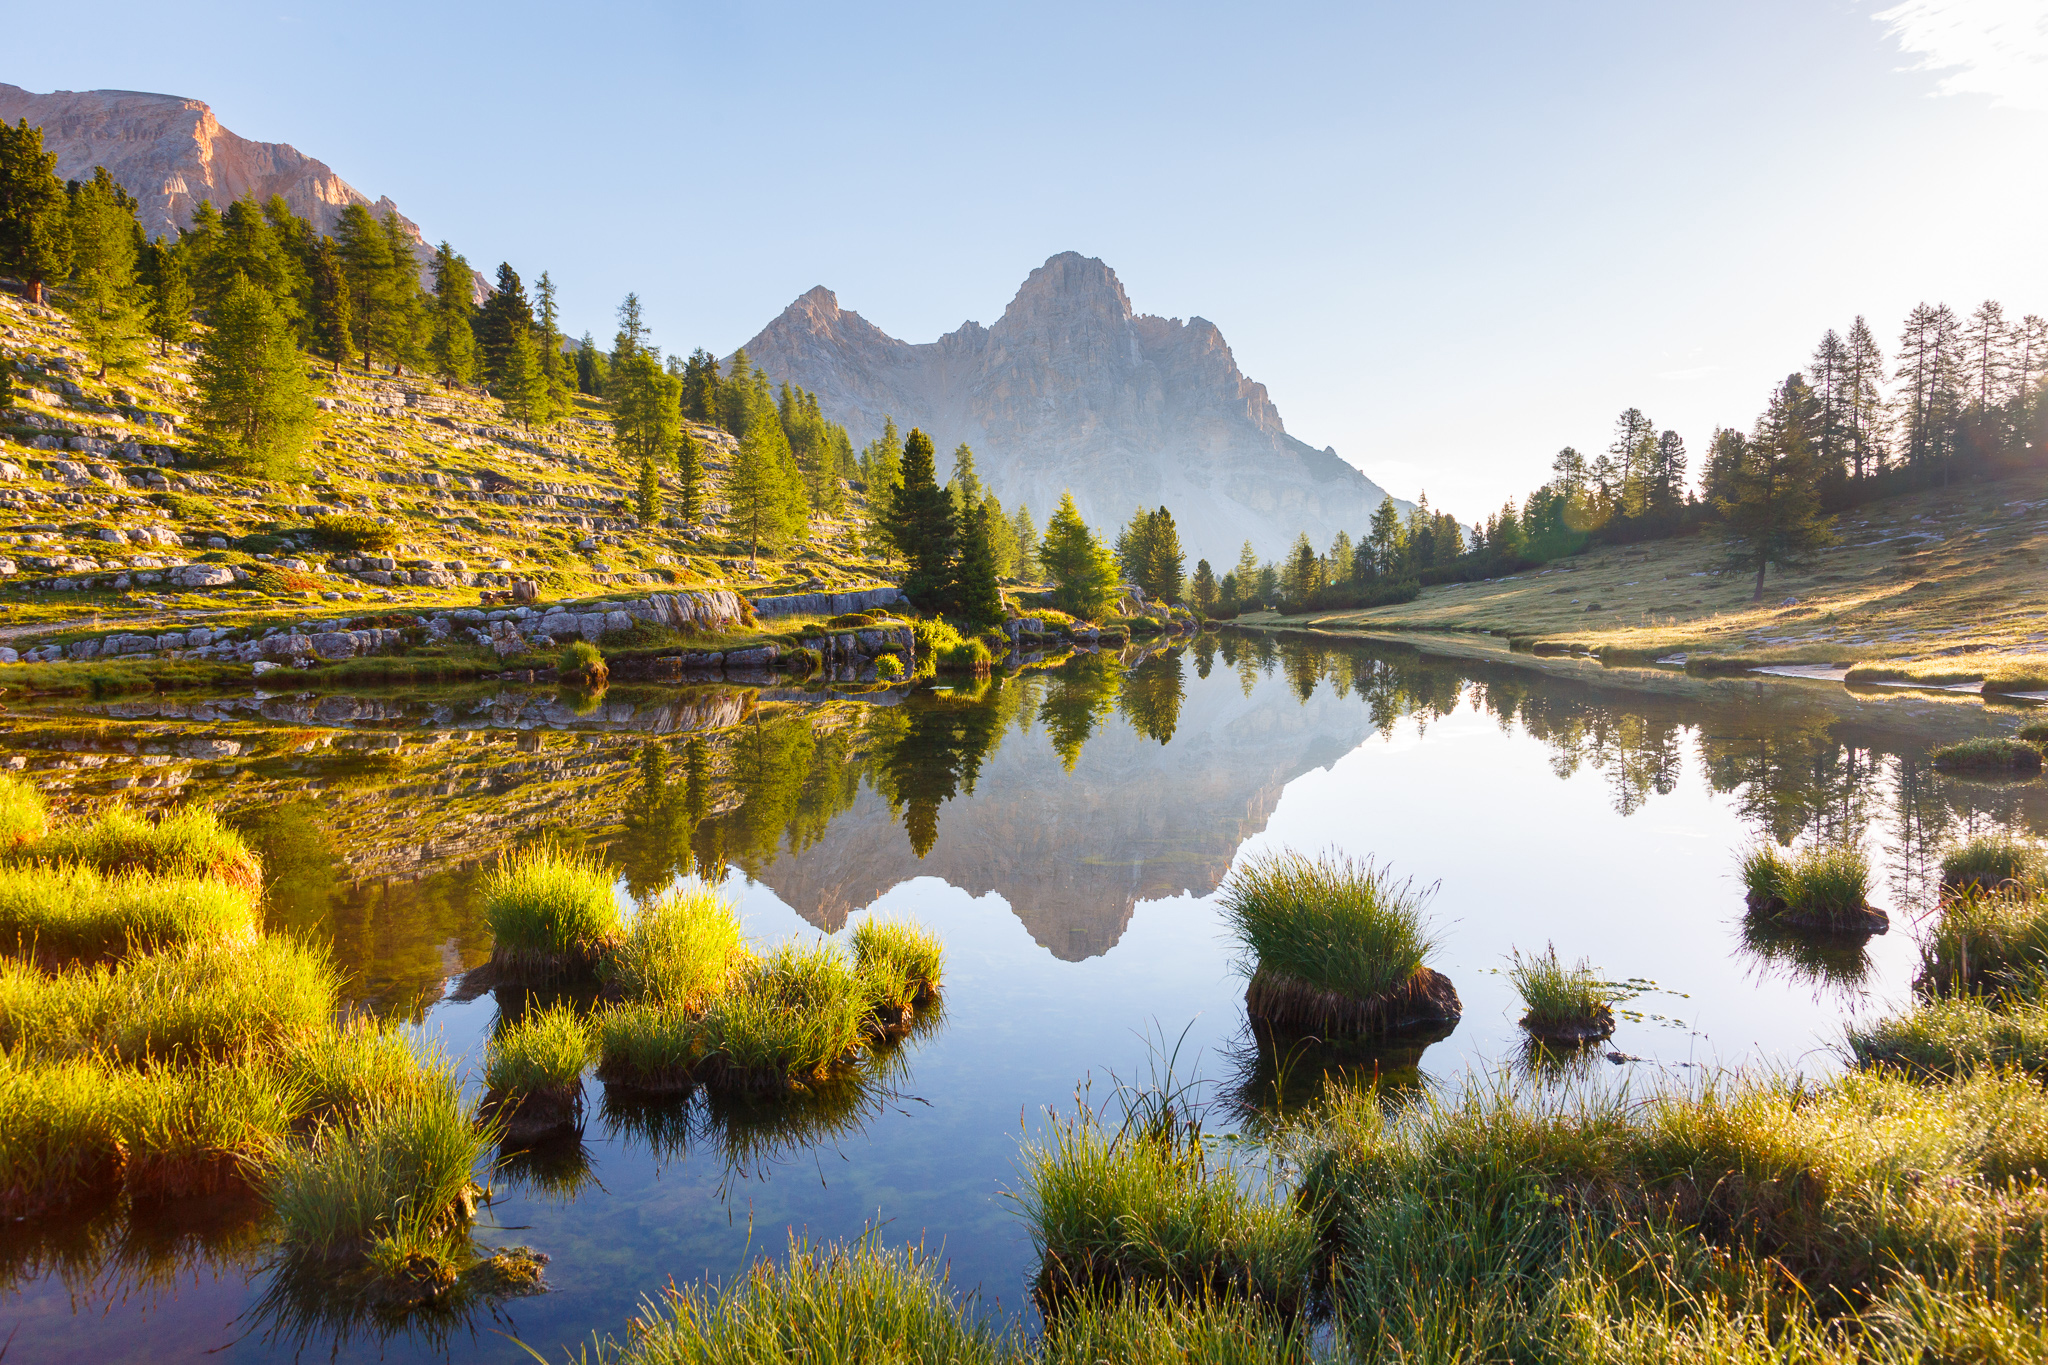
<point x="1064" y="832"/>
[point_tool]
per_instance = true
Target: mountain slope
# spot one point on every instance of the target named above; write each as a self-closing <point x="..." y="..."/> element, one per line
<point x="1071" y="389"/>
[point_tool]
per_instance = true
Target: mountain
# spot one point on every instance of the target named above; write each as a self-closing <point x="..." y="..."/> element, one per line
<point x="1070" y="389"/>
<point x="170" y="153"/>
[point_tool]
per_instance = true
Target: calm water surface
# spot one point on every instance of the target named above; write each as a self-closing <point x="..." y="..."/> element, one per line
<point x="1064" y="833"/>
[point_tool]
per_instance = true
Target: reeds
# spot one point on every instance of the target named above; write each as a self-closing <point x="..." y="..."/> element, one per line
<point x="24" y="817"/>
<point x="65" y="912"/>
<point x="1821" y="886"/>
<point x="2000" y="754"/>
<point x="683" y="949"/>
<point x="189" y="841"/>
<point x="1990" y="860"/>
<point x="1332" y="923"/>
<point x="550" y="912"/>
<point x="1560" y="1001"/>
<point x="533" y="1073"/>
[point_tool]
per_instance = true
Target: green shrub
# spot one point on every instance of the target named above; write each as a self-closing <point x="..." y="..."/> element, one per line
<point x="1332" y="922"/>
<point x="546" y="1049"/>
<point x="550" y="912"/>
<point x="352" y="532"/>
<point x="66" y="911"/>
<point x="853" y="620"/>
<point x="582" y="664"/>
<point x="682" y="950"/>
<point x="185" y="507"/>
<point x="401" y="1173"/>
<point x="1821" y="882"/>
<point x="1991" y="754"/>
<point x="888" y="667"/>
<point x="1988" y="860"/>
<point x="24" y="818"/>
<point x="1555" y="995"/>
<point x="190" y="841"/>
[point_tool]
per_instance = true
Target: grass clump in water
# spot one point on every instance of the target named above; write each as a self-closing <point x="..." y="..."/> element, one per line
<point x="68" y="912"/>
<point x="533" y="1073"/>
<point x="550" y="913"/>
<point x="190" y="841"/>
<point x="363" y="1064"/>
<point x="1340" y="947"/>
<point x="1821" y="887"/>
<point x="1990" y="860"/>
<point x="1984" y="940"/>
<point x="61" y="1131"/>
<point x="1956" y="1036"/>
<point x="1561" y="1002"/>
<point x="582" y="664"/>
<point x="795" y="1016"/>
<point x="207" y="1129"/>
<point x="682" y="951"/>
<point x="1991" y="754"/>
<point x="900" y="965"/>
<point x="24" y="816"/>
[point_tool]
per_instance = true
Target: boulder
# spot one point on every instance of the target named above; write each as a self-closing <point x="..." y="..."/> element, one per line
<point x="202" y="576"/>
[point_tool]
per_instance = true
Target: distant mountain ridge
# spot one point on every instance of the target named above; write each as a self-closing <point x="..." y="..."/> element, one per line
<point x="1071" y="389"/>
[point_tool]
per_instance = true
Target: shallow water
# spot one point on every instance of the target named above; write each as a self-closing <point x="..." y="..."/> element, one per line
<point x="1065" y="835"/>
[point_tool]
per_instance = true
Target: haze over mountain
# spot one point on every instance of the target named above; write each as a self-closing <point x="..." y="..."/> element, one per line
<point x="171" y="152"/>
<point x="1070" y="389"/>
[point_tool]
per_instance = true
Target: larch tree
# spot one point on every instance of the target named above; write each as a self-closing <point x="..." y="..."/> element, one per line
<point x="1204" y="589"/>
<point x="647" y="500"/>
<point x="763" y="492"/>
<point x="1929" y="370"/>
<point x="689" y="478"/>
<point x="35" y="229"/>
<point x="561" y="376"/>
<point x="505" y="315"/>
<point x="523" y="386"/>
<point x="167" y="295"/>
<point x="102" y="294"/>
<point x="976" y="598"/>
<point x="1771" y="508"/>
<point x="451" y="338"/>
<point x="255" y="403"/>
<point x="1082" y="572"/>
<point x="403" y="320"/>
<point x="330" y="325"/>
<point x="1384" y="536"/>
<point x="367" y="267"/>
<point x="1863" y="407"/>
<point x="1026" y="536"/>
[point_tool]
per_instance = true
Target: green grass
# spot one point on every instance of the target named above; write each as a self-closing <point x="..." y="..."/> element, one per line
<point x="1828" y="882"/>
<point x="1145" y="1208"/>
<point x="2035" y="732"/>
<point x="682" y="950"/>
<point x="1332" y="922"/>
<point x="202" y="1130"/>
<point x="545" y="1050"/>
<point x="648" y="1047"/>
<point x="1991" y="859"/>
<point x="1992" y="754"/>
<point x="201" y="1001"/>
<point x="550" y="912"/>
<point x="190" y="841"/>
<point x="795" y="1015"/>
<point x="362" y="1065"/>
<point x="582" y="663"/>
<point x="1984" y="939"/>
<point x="24" y="817"/>
<point x="401" y="1172"/>
<point x="1555" y="995"/>
<point x="71" y="911"/>
<point x="61" y="1130"/>
<point x="899" y="963"/>
<point x="1956" y="1036"/>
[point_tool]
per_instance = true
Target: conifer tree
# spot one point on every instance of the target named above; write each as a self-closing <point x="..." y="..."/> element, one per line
<point x="590" y="368"/>
<point x="506" y="314"/>
<point x="1165" y="562"/>
<point x="689" y="479"/>
<point x="1026" y="537"/>
<point x="645" y="420"/>
<point x="736" y="395"/>
<point x="101" y="294"/>
<point x="367" y="267"/>
<point x="1002" y="536"/>
<point x="1568" y="473"/>
<point x="647" y="498"/>
<point x="922" y="525"/>
<point x="35" y="238"/>
<point x="1303" y="574"/>
<point x="167" y="296"/>
<point x="1928" y="368"/>
<point x="255" y="404"/>
<point x="1863" y="400"/>
<point x="964" y="484"/>
<point x="1384" y="537"/>
<point x="700" y="387"/>
<point x="523" y="387"/>
<point x="1204" y="589"/>
<point x="1772" y="506"/>
<point x="1082" y="572"/>
<point x="451" y="345"/>
<point x="403" y="322"/>
<point x="763" y="493"/>
<point x="881" y="472"/>
<point x="1340" y="557"/>
<point x="331" y="327"/>
<point x="561" y="379"/>
<point x="976" y="597"/>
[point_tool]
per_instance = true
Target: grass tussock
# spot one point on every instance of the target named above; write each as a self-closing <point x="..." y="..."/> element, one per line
<point x="401" y="1174"/>
<point x="204" y="1000"/>
<point x="1954" y="1036"/>
<point x="683" y="950"/>
<point x="24" y="815"/>
<point x="67" y="912"/>
<point x="1324" y="931"/>
<point x="533" y="1073"/>
<point x="363" y="1064"/>
<point x="1558" y="999"/>
<point x="1984" y="940"/>
<point x="1999" y="755"/>
<point x="1991" y="860"/>
<point x="900" y="965"/>
<point x="205" y="1130"/>
<point x="1824" y="886"/>
<point x="550" y="912"/>
<point x="61" y="1132"/>
<point x="189" y="841"/>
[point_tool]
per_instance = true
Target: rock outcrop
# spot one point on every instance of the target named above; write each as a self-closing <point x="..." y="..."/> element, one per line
<point x="1072" y="390"/>
<point x="171" y="152"/>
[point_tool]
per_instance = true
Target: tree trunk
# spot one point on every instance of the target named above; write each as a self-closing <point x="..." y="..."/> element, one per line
<point x="35" y="292"/>
<point x="1759" y="595"/>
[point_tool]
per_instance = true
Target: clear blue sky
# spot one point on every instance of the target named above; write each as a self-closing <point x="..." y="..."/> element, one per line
<point x="1449" y="238"/>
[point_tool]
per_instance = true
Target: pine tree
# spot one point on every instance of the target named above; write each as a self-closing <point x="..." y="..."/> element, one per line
<point x="101" y="294"/>
<point x="591" y="370"/>
<point x="1827" y="372"/>
<point x="255" y="404"/>
<point x="1026" y="535"/>
<point x="1384" y="537"/>
<point x="561" y="378"/>
<point x="1667" y="481"/>
<point x="1568" y="472"/>
<point x="965" y="485"/>
<point x="632" y="333"/>
<point x="1162" y="563"/>
<point x="35" y="237"/>
<point x="1987" y="354"/>
<point x="1082" y="573"/>
<point x="976" y="598"/>
<point x="167" y="296"/>
<point x="505" y="315"/>
<point x="645" y="422"/>
<point x="1928" y="368"/>
<point x="404" y="320"/>
<point x="1863" y="400"/>
<point x="451" y="345"/>
<point x="922" y="525"/>
<point x="700" y="387"/>
<point x="1772" y="507"/>
<point x="689" y="479"/>
<point x="1002" y="536"/>
<point x="1204" y="590"/>
<point x="735" y="394"/>
<point x="366" y="265"/>
<point x="1341" y="557"/>
<point x="523" y="387"/>
<point x="881" y="471"/>
<point x="1304" y="573"/>
<point x="1631" y="455"/>
<point x="647" y="498"/>
<point x="763" y="493"/>
<point x="331" y="322"/>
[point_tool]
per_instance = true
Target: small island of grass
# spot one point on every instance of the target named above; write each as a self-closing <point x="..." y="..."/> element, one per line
<point x="1823" y="888"/>
<point x="2000" y="756"/>
<point x="1992" y="860"/>
<point x="1564" y="1005"/>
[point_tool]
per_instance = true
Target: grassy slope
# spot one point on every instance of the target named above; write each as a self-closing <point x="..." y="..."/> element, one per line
<point x="351" y="449"/>
<point x="1947" y="584"/>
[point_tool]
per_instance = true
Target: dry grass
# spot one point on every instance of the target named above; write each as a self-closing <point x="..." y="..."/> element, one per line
<point x="1948" y="584"/>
